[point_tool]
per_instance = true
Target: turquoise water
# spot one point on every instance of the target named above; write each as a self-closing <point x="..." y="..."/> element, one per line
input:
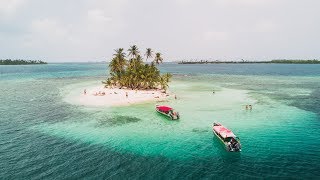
<point x="43" y="136"/>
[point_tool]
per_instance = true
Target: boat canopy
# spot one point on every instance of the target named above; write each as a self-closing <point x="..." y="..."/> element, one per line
<point x="223" y="131"/>
<point x="164" y="108"/>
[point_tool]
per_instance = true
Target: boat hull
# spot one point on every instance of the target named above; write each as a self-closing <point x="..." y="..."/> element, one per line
<point x="167" y="115"/>
<point x="224" y="143"/>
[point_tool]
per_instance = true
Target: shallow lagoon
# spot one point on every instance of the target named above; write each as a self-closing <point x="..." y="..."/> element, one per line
<point x="42" y="135"/>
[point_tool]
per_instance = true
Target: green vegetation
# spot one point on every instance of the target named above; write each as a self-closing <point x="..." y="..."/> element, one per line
<point x="20" y="62"/>
<point x="278" y="61"/>
<point x="285" y="61"/>
<point x="131" y="71"/>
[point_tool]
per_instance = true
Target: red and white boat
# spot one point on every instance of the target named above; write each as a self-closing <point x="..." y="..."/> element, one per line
<point x="230" y="141"/>
<point x="168" y="111"/>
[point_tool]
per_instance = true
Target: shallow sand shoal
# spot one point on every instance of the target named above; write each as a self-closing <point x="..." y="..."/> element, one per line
<point x="114" y="96"/>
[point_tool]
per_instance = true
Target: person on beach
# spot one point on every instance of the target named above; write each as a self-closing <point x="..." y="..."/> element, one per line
<point x="84" y="91"/>
<point x="126" y="94"/>
<point x="175" y="96"/>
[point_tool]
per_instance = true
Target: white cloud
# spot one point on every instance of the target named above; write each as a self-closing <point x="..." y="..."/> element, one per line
<point x="98" y="22"/>
<point x="98" y="16"/>
<point x="45" y="33"/>
<point x="91" y="29"/>
<point x="242" y="2"/>
<point x="215" y="36"/>
<point x="49" y="28"/>
<point x="9" y="7"/>
<point x="265" y="27"/>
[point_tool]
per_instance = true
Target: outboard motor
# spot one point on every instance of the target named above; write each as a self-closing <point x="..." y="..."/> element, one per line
<point x="230" y="148"/>
<point x="237" y="146"/>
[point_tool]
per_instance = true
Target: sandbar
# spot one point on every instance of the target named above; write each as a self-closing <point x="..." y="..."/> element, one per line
<point x="101" y="96"/>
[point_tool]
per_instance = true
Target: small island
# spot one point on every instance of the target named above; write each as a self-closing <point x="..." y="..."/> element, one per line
<point x="276" y="61"/>
<point x="132" y="80"/>
<point x="132" y="72"/>
<point x="20" y="62"/>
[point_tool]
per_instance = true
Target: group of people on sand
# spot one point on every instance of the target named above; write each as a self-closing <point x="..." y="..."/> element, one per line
<point x="95" y="94"/>
<point x="99" y="94"/>
<point x="127" y="94"/>
<point x="249" y="107"/>
<point x="163" y="94"/>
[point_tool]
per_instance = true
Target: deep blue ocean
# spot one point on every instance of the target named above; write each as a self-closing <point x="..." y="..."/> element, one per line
<point x="44" y="137"/>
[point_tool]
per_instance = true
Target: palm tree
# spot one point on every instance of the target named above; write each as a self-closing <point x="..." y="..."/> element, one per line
<point x="163" y="83"/>
<point x="139" y="60"/>
<point x="134" y="73"/>
<point x="107" y="83"/>
<point x="119" y="53"/>
<point x="118" y="63"/>
<point x="149" y="53"/>
<point x="167" y="77"/>
<point x="158" y="59"/>
<point x="117" y="67"/>
<point x="133" y="51"/>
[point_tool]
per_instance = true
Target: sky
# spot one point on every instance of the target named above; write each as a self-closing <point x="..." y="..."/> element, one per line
<point x="90" y="30"/>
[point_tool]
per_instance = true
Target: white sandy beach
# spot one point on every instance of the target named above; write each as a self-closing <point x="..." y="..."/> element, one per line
<point x="114" y="96"/>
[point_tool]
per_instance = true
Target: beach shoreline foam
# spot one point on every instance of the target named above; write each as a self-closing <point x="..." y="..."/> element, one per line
<point x="110" y="97"/>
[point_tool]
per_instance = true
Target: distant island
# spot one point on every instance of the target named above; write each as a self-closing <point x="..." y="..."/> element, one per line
<point x="276" y="61"/>
<point x="20" y="62"/>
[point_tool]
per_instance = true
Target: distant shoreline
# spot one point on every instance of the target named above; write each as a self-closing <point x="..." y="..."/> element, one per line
<point x="21" y="62"/>
<point x="253" y="62"/>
